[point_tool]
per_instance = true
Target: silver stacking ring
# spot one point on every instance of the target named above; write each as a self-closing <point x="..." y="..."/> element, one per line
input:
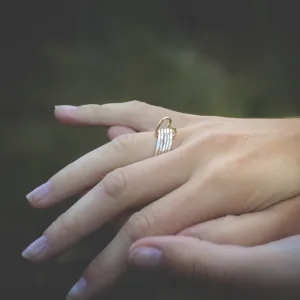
<point x="164" y="136"/>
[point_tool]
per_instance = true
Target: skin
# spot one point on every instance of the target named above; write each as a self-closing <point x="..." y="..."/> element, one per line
<point x="273" y="267"/>
<point x="226" y="181"/>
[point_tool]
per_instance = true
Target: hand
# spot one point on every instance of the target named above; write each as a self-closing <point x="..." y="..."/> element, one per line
<point x="237" y="178"/>
<point x="275" y="266"/>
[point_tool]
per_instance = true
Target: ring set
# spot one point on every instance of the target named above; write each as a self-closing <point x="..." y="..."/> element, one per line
<point x="164" y="136"/>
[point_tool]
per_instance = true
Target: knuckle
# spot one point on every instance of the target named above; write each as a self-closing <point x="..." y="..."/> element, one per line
<point x="225" y="137"/>
<point x="138" y="226"/>
<point x="217" y="174"/>
<point x="122" y="142"/>
<point x="205" y="141"/>
<point x="217" y="139"/>
<point x="138" y="105"/>
<point x="233" y="167"/>
<point x="114" y="184"/>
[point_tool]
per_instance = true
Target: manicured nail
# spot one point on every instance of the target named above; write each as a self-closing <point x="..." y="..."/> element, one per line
<point x="37" y="250"/>
<point x="146" y="257"/>
<point x="77" y="290"/>
<point x="66" y="108"/>
<point x="40" y="193"/>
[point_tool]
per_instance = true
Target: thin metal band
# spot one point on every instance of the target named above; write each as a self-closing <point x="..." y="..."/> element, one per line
<point x="165" y="137"/>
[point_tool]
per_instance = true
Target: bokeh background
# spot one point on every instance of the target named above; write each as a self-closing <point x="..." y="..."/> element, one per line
<point x="231" y="58"/>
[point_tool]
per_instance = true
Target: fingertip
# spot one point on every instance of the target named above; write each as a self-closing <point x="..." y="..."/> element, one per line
<point x="41" y="194"/>
<point x="37" y="250"/>
<point x="65" y="108"/>
<point x="146" y="257"/>
<point x="65" y="114"/>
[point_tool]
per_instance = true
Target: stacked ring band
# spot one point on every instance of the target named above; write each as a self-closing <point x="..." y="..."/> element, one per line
<point x="164" y="136"/>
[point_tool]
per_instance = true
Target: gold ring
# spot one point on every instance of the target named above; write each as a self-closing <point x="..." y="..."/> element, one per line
<point x="164" y="136"/>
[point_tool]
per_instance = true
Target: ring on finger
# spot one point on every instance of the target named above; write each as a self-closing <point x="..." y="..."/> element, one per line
<point x="164" y="136"/>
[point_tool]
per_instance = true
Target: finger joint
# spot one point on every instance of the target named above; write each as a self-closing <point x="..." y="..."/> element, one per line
<point x="115" y="184"/>
<point x="138" y="226"/>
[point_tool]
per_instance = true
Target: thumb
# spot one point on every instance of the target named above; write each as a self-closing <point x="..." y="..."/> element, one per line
<point x="265" y="265"/>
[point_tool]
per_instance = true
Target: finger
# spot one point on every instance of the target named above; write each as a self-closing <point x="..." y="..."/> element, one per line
<point x="181" y="208"/>
<point x="117" y="193"/>
<point x="104" y="270"/>
<point x="113" y="259"/>
<point x="87" y="171"/>
<point x="115" y="131"/>
<point x="155" y="219"/>
<point x="279" y="221"/>
<point x="268" y="265"/>
<point x="111" y="263"/>
<point x="112" y="133"/>
<point x="155" y="216"/>
<point x="137" y="115"/>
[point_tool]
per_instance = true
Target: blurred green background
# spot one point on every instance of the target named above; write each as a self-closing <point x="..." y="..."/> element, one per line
<point x="231" y="58"/>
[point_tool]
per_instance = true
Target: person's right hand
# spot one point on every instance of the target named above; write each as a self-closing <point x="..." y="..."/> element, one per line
<point x="274" y="266"/>
<point x="238" y="178"/>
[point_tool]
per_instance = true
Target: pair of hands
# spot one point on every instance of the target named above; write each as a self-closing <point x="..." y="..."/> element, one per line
<point x="227" y="182"/>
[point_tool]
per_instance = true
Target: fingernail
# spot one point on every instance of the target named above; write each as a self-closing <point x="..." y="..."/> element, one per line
<point x="146" y="257"/>
<point x="39" y="193"/>
<point x="66" y="108"/>
<point x="37" y="250"/>
<point x="77" y="290"/>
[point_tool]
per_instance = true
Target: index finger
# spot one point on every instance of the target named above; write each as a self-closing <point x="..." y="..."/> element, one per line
<point x="137" y="115"/>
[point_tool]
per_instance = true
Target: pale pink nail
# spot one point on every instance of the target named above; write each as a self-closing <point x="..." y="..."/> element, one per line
<point x="146" y="257"/>
<point x="77" y="290"/>
<point x="37" y="250"/>
<point x="66" y="108"/>
<point x="40" y="193"/>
